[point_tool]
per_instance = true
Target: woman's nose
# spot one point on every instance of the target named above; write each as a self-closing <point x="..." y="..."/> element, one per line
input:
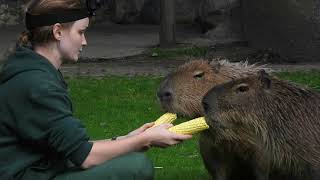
<point x="84" y="41"/>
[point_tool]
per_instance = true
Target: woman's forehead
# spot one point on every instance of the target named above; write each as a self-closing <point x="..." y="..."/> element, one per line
<point x="81" y="23"/>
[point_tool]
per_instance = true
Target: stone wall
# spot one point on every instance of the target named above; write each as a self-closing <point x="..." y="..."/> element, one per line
<point x="288" y="27"/>
<point x="148" y="11"/>
<point x="222" y="20"/>
<point x="11" y="12"/>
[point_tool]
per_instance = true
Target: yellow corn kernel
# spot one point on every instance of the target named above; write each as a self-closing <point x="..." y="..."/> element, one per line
<point x="190" y="127"/>
<point x="165" y="118"/>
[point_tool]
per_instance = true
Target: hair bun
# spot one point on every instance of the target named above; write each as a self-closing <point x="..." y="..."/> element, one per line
<point x="24" y="39"/>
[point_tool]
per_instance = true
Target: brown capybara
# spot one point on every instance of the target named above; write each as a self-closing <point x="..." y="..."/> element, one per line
<point x="181" y="92"/>
<point x="276" y="124"/>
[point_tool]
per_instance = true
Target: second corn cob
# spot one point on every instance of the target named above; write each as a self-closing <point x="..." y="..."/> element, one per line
<point x="190" y="127"/>
<point x="165" y="118"/>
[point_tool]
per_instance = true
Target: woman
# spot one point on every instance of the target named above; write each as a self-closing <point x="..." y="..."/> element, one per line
<point x="39" y="136"/>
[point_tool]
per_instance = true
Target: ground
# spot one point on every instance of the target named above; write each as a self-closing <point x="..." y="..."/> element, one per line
<point x="144" y="64"/>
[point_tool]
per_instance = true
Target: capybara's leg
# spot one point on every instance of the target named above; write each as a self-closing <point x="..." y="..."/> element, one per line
<point x="315" y="177"/>
<point x="261" y="165"/>
<point x="261" y="174"/>
<point x="315" y="174"/>
<point x="213" y="159"/>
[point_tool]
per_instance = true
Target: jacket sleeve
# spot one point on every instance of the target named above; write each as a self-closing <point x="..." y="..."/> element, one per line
<point x="48" y="122"/>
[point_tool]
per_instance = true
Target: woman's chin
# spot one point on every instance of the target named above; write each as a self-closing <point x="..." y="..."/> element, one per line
<point x="71" y="59"/>
<point x="76" y="59"/>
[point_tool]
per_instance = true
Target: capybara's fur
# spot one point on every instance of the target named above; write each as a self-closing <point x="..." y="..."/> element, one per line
<point x="276" y="123"/>
<point x="182" y="91"/>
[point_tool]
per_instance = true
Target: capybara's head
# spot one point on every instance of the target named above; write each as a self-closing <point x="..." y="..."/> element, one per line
<point x="181" y="91"/>
<point x="263" y="110"/>
<point x="262" y="104"/>
<point x="237" y="102"/>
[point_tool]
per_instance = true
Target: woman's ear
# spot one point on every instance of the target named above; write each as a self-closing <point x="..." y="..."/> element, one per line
<point x="57" y="31"/>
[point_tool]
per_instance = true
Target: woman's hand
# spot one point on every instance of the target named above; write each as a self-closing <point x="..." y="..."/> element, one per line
<point x="160" y="136"/>
<point x="140" y="129"/>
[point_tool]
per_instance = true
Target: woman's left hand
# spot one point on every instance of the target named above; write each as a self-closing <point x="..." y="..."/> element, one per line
<point x="141" y="129"/>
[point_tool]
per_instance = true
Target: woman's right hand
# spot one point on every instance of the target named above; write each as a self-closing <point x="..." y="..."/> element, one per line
<point x="160" y="136"/>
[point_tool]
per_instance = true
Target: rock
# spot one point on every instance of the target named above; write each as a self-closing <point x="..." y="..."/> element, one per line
<point x="290" y="27"/>
<point x="126" y="11"/>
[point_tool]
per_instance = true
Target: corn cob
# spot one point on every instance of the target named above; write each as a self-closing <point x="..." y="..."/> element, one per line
<point x="190" y="127"/>
<point x="165" y="118"/>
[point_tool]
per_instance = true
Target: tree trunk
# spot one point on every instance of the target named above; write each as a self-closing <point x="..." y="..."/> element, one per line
<point x="167" y="29"/>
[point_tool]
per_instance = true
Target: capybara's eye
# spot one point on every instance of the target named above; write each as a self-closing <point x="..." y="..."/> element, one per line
<point x="242" y="88"/>
<point x="198" y="74"/>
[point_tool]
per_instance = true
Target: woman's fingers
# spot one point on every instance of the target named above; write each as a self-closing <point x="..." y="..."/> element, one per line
<point x="175" y="135"/>
<point x="147" y="125"/>
<point x="181" y="136"/>
<point x="166" y="125"/>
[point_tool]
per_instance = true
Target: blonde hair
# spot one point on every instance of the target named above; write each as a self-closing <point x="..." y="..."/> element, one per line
<point x="42" y="35"/>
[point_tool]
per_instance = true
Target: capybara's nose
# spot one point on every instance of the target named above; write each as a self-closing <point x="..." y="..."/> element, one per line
<point x="165" y="95"/>
<point x="205" y="106"/>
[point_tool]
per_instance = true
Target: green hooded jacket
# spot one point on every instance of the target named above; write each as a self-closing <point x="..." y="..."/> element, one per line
<point x="37" y="128"/>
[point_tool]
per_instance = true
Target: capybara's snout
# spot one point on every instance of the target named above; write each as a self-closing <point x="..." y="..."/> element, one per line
<point x="210" y="100"/>
<point x="206" y="105"/>
<point x="165" y="94"/>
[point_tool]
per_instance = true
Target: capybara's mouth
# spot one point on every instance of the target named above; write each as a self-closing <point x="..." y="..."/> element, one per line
<point x="215" y="123"/>
<point x="170" y="109"/>
<point x="212" y="122"/>
<point x="166" y="107"/>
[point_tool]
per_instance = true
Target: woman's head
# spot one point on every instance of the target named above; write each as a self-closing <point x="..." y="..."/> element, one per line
<point x="68" y="37"/>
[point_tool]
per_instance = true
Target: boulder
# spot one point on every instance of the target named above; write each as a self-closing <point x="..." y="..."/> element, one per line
<point x="288" y="27"/>
<point x="126" y="11"/>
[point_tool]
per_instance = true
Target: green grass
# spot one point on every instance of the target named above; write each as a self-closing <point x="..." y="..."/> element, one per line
<point x="311" y="78"/>
<point x="116" y="105"/>
<point x="196" y="52"/>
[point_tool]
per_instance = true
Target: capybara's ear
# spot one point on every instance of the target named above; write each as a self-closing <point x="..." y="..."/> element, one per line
<point x="265" y="79"/>
<point x="215" y="65"/>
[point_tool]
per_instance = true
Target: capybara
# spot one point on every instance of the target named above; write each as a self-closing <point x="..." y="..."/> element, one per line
<point x="181" y="92"/>
<point x="273" y="123"/>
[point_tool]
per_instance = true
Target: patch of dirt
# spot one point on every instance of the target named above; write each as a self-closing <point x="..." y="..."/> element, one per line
<point x="129" y="66"/>
<point x="146" y="65"/>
